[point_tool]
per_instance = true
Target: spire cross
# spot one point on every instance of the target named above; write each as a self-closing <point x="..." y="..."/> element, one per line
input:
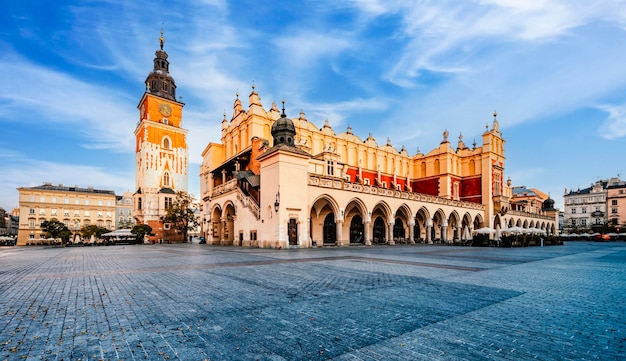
<point x="283" y="115"/>
<point x="161" y="38"/>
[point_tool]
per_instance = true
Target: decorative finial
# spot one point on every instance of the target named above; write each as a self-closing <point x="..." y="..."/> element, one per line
<point x="495" y="114"/>
<point x="460" y="137"/>
<point x="237" y="94"/>
<point x="161" y="38"/>
<point x="445" y="135"/>
<point x="349" y="129"/>
<point x="474" y="144"/>
<point x="283" y="114"/>
<point x="253" y="85"/>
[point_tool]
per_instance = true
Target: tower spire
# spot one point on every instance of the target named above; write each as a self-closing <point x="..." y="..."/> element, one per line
<point x="161" y="38"/>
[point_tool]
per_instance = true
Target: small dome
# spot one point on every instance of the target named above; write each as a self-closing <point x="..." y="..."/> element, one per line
<point x="548" y="205"/>
<point x="283" y="130"/>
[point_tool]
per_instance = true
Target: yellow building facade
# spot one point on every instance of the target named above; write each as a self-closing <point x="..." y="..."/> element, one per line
<point x="75" y="207"/>
<point x="325" y="187"/>
<point x="161" y="150"/>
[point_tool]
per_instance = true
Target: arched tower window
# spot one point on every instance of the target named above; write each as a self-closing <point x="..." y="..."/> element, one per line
<point x="166" y="179"/>
<point x="166" y="143"/>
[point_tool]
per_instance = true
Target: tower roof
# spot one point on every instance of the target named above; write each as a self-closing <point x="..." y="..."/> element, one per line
<point x="159" y="82"/>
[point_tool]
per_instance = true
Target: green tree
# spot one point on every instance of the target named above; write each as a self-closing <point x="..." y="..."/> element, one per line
<point x="181" y="215"/>
<point x="55" y="229"/>
<point x="141" y="230"/>
<point x="92" y="230"/>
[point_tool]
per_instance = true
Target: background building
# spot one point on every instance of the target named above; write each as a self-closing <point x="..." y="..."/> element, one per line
<point x="616" y="205"/>
<point x="280" y="182"/>
<point x="595" y="208"/>
<point x="124" y="211"/>
<point x="73" y="206"/>
<point x="161" y="150"/>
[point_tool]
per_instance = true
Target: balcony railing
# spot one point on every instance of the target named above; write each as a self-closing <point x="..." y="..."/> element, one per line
<point x="341" y="184"/>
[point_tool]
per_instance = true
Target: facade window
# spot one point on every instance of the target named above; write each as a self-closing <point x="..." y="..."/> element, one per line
<point x="139" y="203"/>
<point x="42" y="199"/>
<point x="53" y="200"/>
<point x="99" y="214"/>
<point x="31" y="198"/>
<point x="100" y="224"/>
<point x="76" y="213"/>
<point x="366" y="181"/>
<point x="614" y="210"/>
<point x="497" y="184"/>
<point x="66" y="201"/>
<point x="121" y="219"/>
<point x="42" y="211"/>
<point x="573" y="210"/>
<point x="100" y="202"/>
<point x="31" y="223"/>
<point x="76" y="201"/>
<point x="76" y="225"/>
<point x="330" y="167"/>
<point x="168" y="202"/>
<point x="108" y="203"/>
<point x="614" y="202"/>
<point x="66" y="212"/>
<point x="583" y="209"/>
<point x="108" y="214"/>
<point x="166" y="179"/>
<point x="455" y="192"/>
<point x="66" y="223"/>
<point x="31" y="211"/>
<point x="87" y="213"/>
<point x="583" y="221"/>
<point x="86" y="202"/>
<point x="108" y="225"/>
<point x="253" y="235"/>
<point x="53" y="212"/>
<point x="573" y="223"/>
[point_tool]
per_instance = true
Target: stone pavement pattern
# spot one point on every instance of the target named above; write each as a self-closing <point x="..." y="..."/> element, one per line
<point x="195" y="302"/>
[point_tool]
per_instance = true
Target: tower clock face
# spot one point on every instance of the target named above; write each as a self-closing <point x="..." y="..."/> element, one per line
<point x="165" y="109"/>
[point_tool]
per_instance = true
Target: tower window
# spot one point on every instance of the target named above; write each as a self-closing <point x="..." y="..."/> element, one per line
<point x="166" y="179"/>
<point x="168" y="202"/>
<point x="166" y="141"/>
<point x="164" y="86"/>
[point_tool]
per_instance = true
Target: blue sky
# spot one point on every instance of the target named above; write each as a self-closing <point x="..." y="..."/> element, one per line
<point x="73" y="73"/>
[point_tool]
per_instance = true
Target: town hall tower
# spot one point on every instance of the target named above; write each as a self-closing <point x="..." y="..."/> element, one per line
<point x="160" y="149"/>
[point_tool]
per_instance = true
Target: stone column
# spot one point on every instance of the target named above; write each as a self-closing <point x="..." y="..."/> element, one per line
<point x="339" y="233"/>
<point x="223" y="176"/>
<point x="367" y="231"/>
<point x="429" y="227"/>
<point x="444" y="233"/>
<point x="390" y="233"/>
<point x="411" y="232"/>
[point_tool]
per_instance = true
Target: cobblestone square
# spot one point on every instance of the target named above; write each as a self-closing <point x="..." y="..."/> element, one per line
<point x="197" y="302"/>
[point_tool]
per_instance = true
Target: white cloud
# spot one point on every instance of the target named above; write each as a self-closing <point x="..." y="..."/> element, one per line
<point x="615" y="125"/>
<point x="37" y="94"/>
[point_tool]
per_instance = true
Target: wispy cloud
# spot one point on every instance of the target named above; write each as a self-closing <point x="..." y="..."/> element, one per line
<point x="39" y="94"/>
<point x="615" y="125"/>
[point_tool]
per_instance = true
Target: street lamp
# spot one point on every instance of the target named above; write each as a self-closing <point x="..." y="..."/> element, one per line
<point x="277" y="202"/>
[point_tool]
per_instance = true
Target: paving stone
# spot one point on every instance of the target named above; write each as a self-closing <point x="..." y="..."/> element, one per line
<point x="197" y="302"/>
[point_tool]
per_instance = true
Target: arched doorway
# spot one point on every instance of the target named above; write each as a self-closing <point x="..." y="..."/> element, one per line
<point x="357" y="229"/>
<point x="379" y="231"/>
<point x="399" y="234"/>
<point x="330" y="229"/>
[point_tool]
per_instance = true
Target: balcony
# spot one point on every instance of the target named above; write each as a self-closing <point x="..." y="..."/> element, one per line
<point x="342" y="184"/>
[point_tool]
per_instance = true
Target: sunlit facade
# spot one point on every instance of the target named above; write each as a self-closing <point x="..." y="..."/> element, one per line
<point x="260" y="188"/>
<point x="74" y="206"/>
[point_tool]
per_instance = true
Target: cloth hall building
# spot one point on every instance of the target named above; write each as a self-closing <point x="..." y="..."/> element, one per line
<point x="279" y="182"/>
